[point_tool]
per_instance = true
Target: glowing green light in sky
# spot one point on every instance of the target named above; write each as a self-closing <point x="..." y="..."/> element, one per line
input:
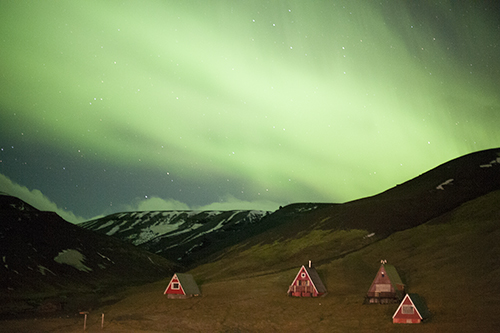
<point x="327" y="101"/>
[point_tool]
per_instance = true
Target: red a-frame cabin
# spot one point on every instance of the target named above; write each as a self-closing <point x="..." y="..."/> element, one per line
<point x="307" y="283"/>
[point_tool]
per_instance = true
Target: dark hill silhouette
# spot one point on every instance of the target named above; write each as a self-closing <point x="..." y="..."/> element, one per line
<point x="404" y="206"/>
<point x="87" y="262"/>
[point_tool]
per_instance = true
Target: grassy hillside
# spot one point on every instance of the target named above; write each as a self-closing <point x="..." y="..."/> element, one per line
<point x="452" y="261"/>
<point x="326" y="232"/>
<point x="317" y="245"/>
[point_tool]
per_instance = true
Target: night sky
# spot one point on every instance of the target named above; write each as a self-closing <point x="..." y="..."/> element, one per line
<point x="108" y="106"/>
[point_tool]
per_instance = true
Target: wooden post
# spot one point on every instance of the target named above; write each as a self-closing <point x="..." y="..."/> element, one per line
<point x="85" y="319"/>
<point x="102" y="321"/>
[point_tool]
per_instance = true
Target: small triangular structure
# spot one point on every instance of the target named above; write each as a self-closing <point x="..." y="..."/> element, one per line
<point x="412" y="310"/>
<point x="387" y="286"/>
<point x="182" y="286"/>
<point x="307" y="283"/>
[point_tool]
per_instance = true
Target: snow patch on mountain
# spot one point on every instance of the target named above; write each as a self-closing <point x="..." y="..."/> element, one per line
<point x="73" y="258"/>
<point x="306" y="209"/>
<point x="114" y="230"/>
<point x="489" y="165"/>
<point x="43" y="270"/>
<point x="107" y="224"/>
<point x="183" y="230"/>
<point x="448" y="182"/>
<point x="154" y="231"/>
<point x="104" y="257"/>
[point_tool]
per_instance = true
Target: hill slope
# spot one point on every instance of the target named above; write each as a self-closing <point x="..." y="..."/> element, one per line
<point x="329" y="231"/>
<point x="44" y="256"/>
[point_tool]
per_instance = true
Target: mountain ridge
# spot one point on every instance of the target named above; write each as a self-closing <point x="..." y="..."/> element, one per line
<point x="403" y="206"/>
<point x="180" y="232"/>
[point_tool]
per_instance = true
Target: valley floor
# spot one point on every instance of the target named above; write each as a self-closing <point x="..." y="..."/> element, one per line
<point x="223" y="308"/>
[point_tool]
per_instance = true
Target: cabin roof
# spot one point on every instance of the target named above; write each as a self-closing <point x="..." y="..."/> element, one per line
<point x="393" y="275"/>
<point x="420" y="305"/>
<point x="188" y="283"/>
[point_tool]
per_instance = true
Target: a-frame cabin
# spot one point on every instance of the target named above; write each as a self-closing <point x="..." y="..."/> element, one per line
<point x="412" y="310"/>
<point x="307" y="283"/>
<point x="182" y="286"/>
<point x="387" y="286"/>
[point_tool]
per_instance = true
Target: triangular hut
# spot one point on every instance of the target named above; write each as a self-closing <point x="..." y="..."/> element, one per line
<point x="307" y="283"/>
<point x="182" y="286"/>
<point x="387" y="286"/>
<point x="412" y="310"/>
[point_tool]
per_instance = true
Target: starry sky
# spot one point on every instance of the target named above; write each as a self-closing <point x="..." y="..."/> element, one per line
<point x="108" y="106"/>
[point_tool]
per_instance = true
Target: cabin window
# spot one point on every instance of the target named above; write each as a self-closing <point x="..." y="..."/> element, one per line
<point x="175" y="285"/>
<point x="383" y="274"/>
<point x="383" y="288"/>
<point x="407" y="309"/>
<point x="303" y="275"/>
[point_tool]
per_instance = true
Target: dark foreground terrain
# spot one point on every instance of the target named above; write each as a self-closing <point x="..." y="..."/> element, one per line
<point x="452" y="261"/>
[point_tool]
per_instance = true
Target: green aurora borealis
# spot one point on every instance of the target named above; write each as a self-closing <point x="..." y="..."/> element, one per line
<point x="106" y="105"/>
